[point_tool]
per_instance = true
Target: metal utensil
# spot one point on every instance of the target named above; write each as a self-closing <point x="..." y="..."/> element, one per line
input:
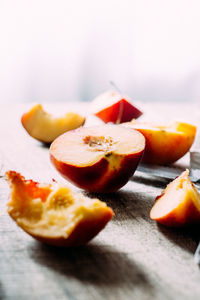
<point x="171" y="172"/>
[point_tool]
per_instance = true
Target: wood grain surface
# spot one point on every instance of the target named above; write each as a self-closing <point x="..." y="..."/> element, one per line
<point x="132" y="258"/>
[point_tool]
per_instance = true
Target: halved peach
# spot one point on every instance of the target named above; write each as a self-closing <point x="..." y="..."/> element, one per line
<point x="115" y="108"/>
<point x="179" y="203"/>
<point x="46" y="128"/>
<point x="53" y="213"/>
<point x="165" y="144"/>
<point x="98" y="159"/>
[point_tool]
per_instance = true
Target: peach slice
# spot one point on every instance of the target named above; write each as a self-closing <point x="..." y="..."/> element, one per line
<point x="179" y="203"/>
<point x="53" y="213"/>
<point x="98" y="159"/>
<point x="115" y="108"/>
<point x="46" y="128"/>
<point x="165" y="144"/>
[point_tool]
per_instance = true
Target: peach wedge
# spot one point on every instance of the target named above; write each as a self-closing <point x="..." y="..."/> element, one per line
<point x="98" y="159"/>
<point x="165" y="144"/>
<point x="44" y="127"/>
<point x="114" y="107"/>
<point x="179" y="203"/>
<point x="53" y="213"/>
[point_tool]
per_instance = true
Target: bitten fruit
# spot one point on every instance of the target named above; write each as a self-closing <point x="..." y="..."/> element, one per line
<point x="53" y="213"/>
<point x="44" y="127"/>
<point x="165" y="144"/>
<point x="98" y="159"/>
<point x="115" y="108"/>
<point x="179" y="203"/>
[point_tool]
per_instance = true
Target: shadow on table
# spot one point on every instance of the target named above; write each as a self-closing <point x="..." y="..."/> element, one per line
<point x="2" y="292"/>
<point x="94" y="264"/>
<point x="127" y="204"/>
<point x="44" y="145"/>
<point x="156" y="182"/>
<point x="186" y="238"/>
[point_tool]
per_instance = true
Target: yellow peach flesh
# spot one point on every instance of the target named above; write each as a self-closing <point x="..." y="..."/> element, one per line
<point x="57" y="216"/>
<point x="45" y="127"/>
<point x="176" y="197"/>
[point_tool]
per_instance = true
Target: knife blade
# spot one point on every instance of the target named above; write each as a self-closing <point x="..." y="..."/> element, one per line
<point x="171" y="172"/>
<point x="159" y="171"/>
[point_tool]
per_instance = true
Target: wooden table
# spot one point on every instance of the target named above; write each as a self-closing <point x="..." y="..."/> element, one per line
<point x="132" y="258"/>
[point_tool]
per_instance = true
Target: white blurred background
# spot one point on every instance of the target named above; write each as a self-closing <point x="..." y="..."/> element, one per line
<point x="69" y="50"/>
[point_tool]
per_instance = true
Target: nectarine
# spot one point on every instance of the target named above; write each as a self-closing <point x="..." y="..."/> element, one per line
<point x="179" y="203"/>
<point x="115" y="108"/>
<point x="53" y="213"/>
<point x="165" y="144"/>
<point x="44" y="127"/>
<point x="98" y="159"/>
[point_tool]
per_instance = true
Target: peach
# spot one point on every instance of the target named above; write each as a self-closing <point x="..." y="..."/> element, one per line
<point x="45" y="128"/>
<point x="179" y="203"/>
<point x="98" y="159"/>
<point x="53" y="213"/>
<point x="165" y="144"/>
<point x="115" y="108"/>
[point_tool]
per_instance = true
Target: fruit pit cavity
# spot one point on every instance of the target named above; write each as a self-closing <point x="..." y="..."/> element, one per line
<point x="99" y="143"/>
